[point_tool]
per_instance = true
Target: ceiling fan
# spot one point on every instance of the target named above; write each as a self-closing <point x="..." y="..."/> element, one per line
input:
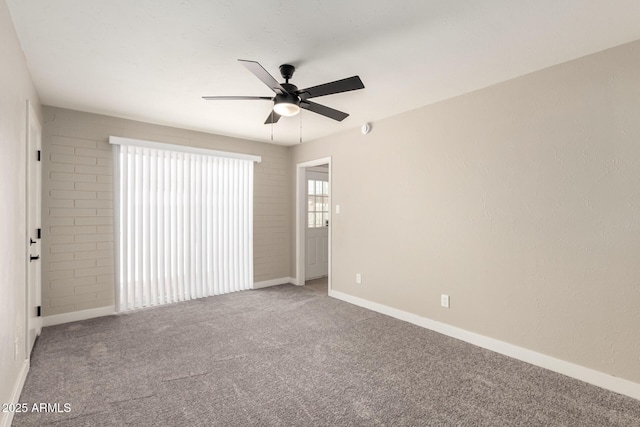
<point x="289" y="99"/>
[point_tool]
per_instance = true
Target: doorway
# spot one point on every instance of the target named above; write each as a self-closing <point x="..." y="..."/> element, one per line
<point x="34" y="230"/>
<point x="313" y="224"/>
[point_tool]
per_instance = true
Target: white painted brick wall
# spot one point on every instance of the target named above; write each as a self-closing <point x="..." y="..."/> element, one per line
<point x="77" y="275"/>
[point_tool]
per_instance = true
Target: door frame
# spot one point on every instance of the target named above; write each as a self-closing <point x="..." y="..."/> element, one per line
<point x="31" y="158"/>
<point x="301" y="215"/>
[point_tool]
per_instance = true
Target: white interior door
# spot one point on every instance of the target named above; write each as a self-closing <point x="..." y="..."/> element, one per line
<point x="34" y="191"/>
<point x="317" y="223"/>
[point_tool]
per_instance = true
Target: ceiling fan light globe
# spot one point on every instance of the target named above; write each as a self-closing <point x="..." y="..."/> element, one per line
<point x="286" y="109"/>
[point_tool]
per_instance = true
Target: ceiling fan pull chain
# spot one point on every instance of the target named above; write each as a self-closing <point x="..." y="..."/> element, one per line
<point x="300" y="128"/>
<point x="272" y="125"/>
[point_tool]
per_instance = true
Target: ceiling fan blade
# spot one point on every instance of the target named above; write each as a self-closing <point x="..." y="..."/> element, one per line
<point x="324" y="110"/>
<point x="344" y="85"/>
<point x="263" y="75"/>
<point x="237" y="98"/>
<point x="273" y="117"/>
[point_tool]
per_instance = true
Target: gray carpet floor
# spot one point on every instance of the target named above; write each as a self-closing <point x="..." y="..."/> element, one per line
<point x="290" y="356"/>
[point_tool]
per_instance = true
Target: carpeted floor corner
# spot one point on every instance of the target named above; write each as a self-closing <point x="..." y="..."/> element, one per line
<point x="290" y="356"/>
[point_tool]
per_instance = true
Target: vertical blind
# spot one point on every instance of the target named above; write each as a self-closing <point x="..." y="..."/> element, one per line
<point x="184" y="225"/>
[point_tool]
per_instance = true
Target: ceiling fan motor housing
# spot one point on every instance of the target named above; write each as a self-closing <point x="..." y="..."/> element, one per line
<point x="287" y="98"/>
<point x="289" y="88"/>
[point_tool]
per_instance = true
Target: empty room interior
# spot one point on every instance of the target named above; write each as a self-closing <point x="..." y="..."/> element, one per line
<point x="320" y="213"/>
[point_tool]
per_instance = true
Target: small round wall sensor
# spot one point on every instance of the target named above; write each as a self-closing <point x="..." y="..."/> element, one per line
<point x="366" y="128"/>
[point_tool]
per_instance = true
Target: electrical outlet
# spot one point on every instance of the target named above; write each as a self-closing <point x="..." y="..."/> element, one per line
<point x="358" y="278"/>
<point x="444" y="300"/>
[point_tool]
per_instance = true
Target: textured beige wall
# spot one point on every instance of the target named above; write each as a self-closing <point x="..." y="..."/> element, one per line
<point x="521" y="201"/>
<point x="78" y="270"/>
<point x="15" y="89"/>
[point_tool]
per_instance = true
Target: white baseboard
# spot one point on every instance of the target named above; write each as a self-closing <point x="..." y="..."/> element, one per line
<point x="273" y="282"/>
<point x="6" y="418"/>
<point x="74" y="316"/>
<point x="569" y="369"/>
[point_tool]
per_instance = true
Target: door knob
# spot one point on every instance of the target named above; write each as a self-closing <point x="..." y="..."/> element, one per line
<point x="33" y="258"/>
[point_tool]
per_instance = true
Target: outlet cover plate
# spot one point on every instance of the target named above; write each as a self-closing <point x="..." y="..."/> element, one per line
<point x="444" y="300"/>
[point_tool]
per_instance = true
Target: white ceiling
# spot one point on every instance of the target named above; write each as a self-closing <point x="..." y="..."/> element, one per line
<point x="152" y="60"/>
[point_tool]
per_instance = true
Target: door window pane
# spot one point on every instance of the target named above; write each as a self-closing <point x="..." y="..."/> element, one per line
<point x="317" y="203"/>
